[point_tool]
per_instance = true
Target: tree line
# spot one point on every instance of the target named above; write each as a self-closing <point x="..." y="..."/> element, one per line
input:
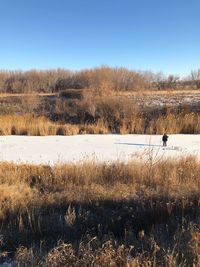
<point x="102" y="78"/>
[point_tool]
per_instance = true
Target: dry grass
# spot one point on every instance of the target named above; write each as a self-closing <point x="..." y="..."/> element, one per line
<point x="134" y="214"/>
<point x="26" y="94"/>
<point x="113" y="119"/>
<point x="41" y="126"/>
<point x="93" y="114"/>
<point x="182" y="123"/>
<point x="144" y="96"/>
<point x="111" y="93"/>
<point x="164" y="92"/>
<point x="31" y="125"/>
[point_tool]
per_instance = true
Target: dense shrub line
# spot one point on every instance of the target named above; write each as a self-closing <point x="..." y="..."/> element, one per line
<point x="100" y="79"/>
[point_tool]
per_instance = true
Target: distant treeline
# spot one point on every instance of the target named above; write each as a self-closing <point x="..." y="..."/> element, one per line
<point x="102" y="78"/>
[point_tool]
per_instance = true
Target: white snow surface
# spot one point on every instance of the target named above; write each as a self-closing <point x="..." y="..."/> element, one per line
<point x="100" y="148"/>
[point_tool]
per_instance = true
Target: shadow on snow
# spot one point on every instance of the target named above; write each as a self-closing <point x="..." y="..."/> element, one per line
<point x="135" y="144"/>
<point x="149" y="145"/>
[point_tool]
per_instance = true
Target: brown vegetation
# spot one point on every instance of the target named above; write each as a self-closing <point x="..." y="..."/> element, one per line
<point x="75" y="111"/>
<point x="30" y="125"/>
<point x="183" y="123"/>
<point x="134" y="214"/>
<point x="99" y="79"/>
<point x="112" y="118"/>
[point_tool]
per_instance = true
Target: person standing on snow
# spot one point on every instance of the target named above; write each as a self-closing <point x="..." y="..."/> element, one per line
<point x="164" y="139"/>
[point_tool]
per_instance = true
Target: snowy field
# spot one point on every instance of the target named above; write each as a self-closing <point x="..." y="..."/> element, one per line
<point x="80" y="148"/>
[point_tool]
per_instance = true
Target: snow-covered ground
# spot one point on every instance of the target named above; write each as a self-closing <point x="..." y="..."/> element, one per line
<point x="167" y="98"/>
<point x="79" y="148"/>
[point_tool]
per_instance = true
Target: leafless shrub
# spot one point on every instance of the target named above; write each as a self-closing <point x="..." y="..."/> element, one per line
<point x="30" y="103"/>
<point x="71" y="94"/>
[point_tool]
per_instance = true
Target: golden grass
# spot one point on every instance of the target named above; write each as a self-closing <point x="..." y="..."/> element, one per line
<point x="22" y="184"/>
<point x="146" y="93"/>
<point x="133" y="214"/>
<point x="41" y="126"/>
<point x="131" y="124"/>
<point x="175" y="124"/>
<point x="25" y="94"/>
<point x="30" y="125"/>
<point x="112" y="92"/>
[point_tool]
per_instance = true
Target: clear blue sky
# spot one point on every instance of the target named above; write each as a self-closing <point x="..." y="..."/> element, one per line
<point x="157" y="35"/>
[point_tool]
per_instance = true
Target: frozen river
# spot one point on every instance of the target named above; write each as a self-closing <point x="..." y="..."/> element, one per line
<point x="57" y="149"/>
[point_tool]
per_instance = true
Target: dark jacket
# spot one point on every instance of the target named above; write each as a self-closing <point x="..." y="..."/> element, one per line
<point x="165" y="138"/>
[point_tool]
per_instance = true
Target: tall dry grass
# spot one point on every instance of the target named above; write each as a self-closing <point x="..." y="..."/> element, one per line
<point x="110" y="121"/>
<point x="41" y="126"/>
<point x="182" y="123"/>
<point x="133" y="214"/>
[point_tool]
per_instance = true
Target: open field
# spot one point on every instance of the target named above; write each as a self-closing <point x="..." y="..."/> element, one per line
<point x="167" y="98"/>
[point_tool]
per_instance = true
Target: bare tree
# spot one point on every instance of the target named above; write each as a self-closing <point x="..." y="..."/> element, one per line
<point x="195" y="76"/>
<point x="172" y="81"/>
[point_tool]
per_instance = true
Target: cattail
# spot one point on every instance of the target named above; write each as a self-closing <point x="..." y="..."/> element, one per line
<point x="141" y="235"/>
